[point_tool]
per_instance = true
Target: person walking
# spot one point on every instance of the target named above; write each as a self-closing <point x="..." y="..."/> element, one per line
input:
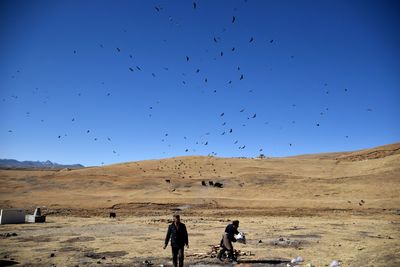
<point x="178" y="235"/>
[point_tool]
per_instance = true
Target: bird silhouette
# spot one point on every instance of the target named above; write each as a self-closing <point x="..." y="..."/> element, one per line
<point x="194" y="5"/>
<point x="251" y="40"/>
<point x="233" y="19"/>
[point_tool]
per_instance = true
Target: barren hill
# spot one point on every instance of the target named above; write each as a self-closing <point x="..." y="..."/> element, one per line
<point x="320" y="181"/>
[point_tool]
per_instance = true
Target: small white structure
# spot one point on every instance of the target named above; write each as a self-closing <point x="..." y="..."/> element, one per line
<point x="9" y="216"/>
<point x="37" y="217"/>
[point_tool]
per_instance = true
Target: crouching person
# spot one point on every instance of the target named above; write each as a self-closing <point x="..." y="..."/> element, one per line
<point x="227" y="238"/>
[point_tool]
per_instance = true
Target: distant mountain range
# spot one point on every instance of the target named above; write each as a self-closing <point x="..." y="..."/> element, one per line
<point x="15" y="164"/>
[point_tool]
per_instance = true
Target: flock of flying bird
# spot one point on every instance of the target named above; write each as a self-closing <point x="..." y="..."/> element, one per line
<point x="204" y="141"/>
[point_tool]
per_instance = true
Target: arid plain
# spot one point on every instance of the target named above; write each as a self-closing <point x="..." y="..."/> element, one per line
<point x="336" y="206"/>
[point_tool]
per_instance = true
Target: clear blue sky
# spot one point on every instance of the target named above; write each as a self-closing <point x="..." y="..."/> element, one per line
<point x="332" y="63"/>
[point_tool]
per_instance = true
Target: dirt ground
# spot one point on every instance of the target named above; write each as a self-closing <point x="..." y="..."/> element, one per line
<point x="337" y="206"/>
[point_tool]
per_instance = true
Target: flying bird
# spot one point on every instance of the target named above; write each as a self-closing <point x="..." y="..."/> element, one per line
<point x="187" y="58"/>
<point x="255" y="115"/>
<point x="138" y="68"/>
<point x="222" y="114"/>
<point x="157" y="8"/>
<point x="215" y="40"/>
<point x="119" y="50"/>
<point x="233" y="49"/>
<point x="271" y="41"/>
<point x="194" y="5"/>
<point x="222" y="53"/>
<point x="241" y="77"/>
<point x="251" y="39"/>
<point x="233" y="19"/>
<point x="241" y="110"/>
<point x="130" y="69"/>
<point x="87" y="131"/>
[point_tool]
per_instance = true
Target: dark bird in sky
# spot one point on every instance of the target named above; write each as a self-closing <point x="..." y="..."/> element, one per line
<point x="271" y="41"/>
<point x="194" y="5"/>
<point x="59" y="136"/>
<point x="186" y="150"/>
<point x="74" y="51"/>
<point x="205" y="80"/>
<point x="255" y="115"/>
<point x="130" y="69"/>
<point x="222" y="53"/>
<point x="236" y="142"/>
<point x="157" y="8"/>
<point x="153" y="74"/>
<point x="119" y="50"/>
<point x="241" y="110"/>
<point x="231" y="130"/>
<point x="370" y="109"/>
<point x="198" y="70"/>
<point x="222" y="114"/>
<point x="224" y="124"/>
<point x="206" y="143"/>
<point x="108" y="94"/>
<point x="233" y="49"/>
<point x="223" y="133"/>
<point x="241" y="77"/>
<point x="215" y="39"/>
<point x="251" y="40"/>
<point x="138" y="68"/>
<point x="233" y="19"/>
<point x="345" y="89"/>
<point x="73" y="119"/>
<point x="317" y="124"/>
<point x="108" y="138"/>
<point x="10" y="131"/>
<point x="187" y="58"/>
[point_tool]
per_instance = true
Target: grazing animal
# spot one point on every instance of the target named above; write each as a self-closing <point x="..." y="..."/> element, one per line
<point x="218" y="184"/>
<point x="113" y="215"/>
<point x="203" y="183"/>
<point x="211" y="183"/>
<point x="168" y="180"/>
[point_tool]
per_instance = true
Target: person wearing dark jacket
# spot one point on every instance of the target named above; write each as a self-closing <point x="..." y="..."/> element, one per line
<point x="179" y="238"/>
<point x="227" y="238"/>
